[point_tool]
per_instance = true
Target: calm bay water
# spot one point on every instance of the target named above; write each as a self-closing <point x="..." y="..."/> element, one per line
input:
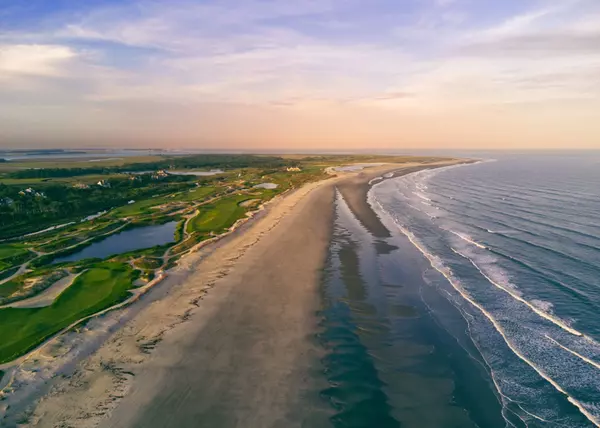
<point x="482" y="308"/>
<point x="123" y="242"/>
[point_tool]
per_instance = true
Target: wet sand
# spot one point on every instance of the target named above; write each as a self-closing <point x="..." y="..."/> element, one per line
<point x="354" y="189"/>
<point x="228" y="339"/>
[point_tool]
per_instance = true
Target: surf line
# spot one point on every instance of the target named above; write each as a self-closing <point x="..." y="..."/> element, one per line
<point x="503" y="398"/>
<point x="522" y="300"/>
<point x="469" y="240"/>
<point x="578" y="355"/>
<point x="499" y="328"/>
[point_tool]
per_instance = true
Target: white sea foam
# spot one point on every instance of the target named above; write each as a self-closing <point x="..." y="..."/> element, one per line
<point x="468" y="239"/>
<point x="420" y="195"/>
<point x="539" y="307"/>
<point x="516" y="295"/>
<point x="447" y="273"/>
<point x="413" y="207"/>
<point x="578" y="355"/>
<point x="543" y="305"/>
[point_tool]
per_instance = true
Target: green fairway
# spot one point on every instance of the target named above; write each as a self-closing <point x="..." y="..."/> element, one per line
<point x="13" y="255"/>
<point x="98" y="288"/>
<point x="10" y="287"/>
<point x="195" y="194"/>
<point x="144" y="206"/>
<point x="218" y="216"/>
<point x="11" y="250"/>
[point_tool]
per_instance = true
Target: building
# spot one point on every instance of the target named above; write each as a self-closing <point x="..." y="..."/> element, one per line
<point x="160" y="174"/>
<point x="30" y="192"/>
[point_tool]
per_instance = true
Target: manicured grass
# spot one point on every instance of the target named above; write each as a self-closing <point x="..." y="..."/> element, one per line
<point x="13" y="255"/>
<point x="10" y="287"/>
<point x="195" y="194"/>
<point x="218" y="216"/>
<point x="11" y="250"/>
<point x="98" y="288"/>
<point x="141" y="207"/>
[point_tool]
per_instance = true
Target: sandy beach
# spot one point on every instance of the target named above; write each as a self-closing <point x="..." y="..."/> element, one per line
<point x="227" y="339"/>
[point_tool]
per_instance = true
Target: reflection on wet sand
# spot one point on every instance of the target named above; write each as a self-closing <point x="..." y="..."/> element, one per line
<point x="388" y="362"/>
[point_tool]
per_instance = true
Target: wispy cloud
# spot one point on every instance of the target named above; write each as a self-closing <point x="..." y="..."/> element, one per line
<point x="332" y="58"/>
<point x="33" y="60"/>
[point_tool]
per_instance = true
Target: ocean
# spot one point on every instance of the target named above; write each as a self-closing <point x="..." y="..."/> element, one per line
<point x="482" y="307"/>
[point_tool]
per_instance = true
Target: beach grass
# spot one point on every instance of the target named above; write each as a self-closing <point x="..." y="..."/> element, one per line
<point x="148" y="263"/>
<point x="102" y="286"/>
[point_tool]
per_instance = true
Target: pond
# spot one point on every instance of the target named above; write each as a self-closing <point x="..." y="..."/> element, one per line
<point x="123" y="242"/>
<point x="184" y="172"/>
<point x="197" y="173"/>
<point x="356" y="167"/>
<point x="268" y="186"/>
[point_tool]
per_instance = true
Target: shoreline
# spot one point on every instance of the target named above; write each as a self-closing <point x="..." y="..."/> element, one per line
<point x="120" y="364"/>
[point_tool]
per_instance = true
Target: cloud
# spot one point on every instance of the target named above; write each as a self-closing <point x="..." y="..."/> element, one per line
<point x="559" y="43"/>
<point x="187" y="26"/>
<point x="168" y="63"/>
<point x="34" y="60"/>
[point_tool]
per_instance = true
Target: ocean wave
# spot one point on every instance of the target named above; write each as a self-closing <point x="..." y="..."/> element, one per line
<point x="468" y="239"/>
<point x="420" y="195"/>
<point x="499" y="232"/>
<point x="517" y="296"/>
<point x="568" y="339"/>
<point x="543" y="305"/>
<point x="548" y="275"/>
<point x="413" y="207"/>
<point x="513" y="343"/>
<point x="438" y="265"/>
<point x="577" y="354"/>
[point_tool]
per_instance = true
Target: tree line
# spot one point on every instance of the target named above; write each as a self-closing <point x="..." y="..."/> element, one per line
<point x="22" y="213"/>
<point x="185" y="162"/>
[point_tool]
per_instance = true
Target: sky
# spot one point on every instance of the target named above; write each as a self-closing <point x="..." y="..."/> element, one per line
<point x="300" y="74"/>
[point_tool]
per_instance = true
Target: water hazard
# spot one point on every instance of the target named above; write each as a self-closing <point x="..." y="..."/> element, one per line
<point x="123" y="242"/>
